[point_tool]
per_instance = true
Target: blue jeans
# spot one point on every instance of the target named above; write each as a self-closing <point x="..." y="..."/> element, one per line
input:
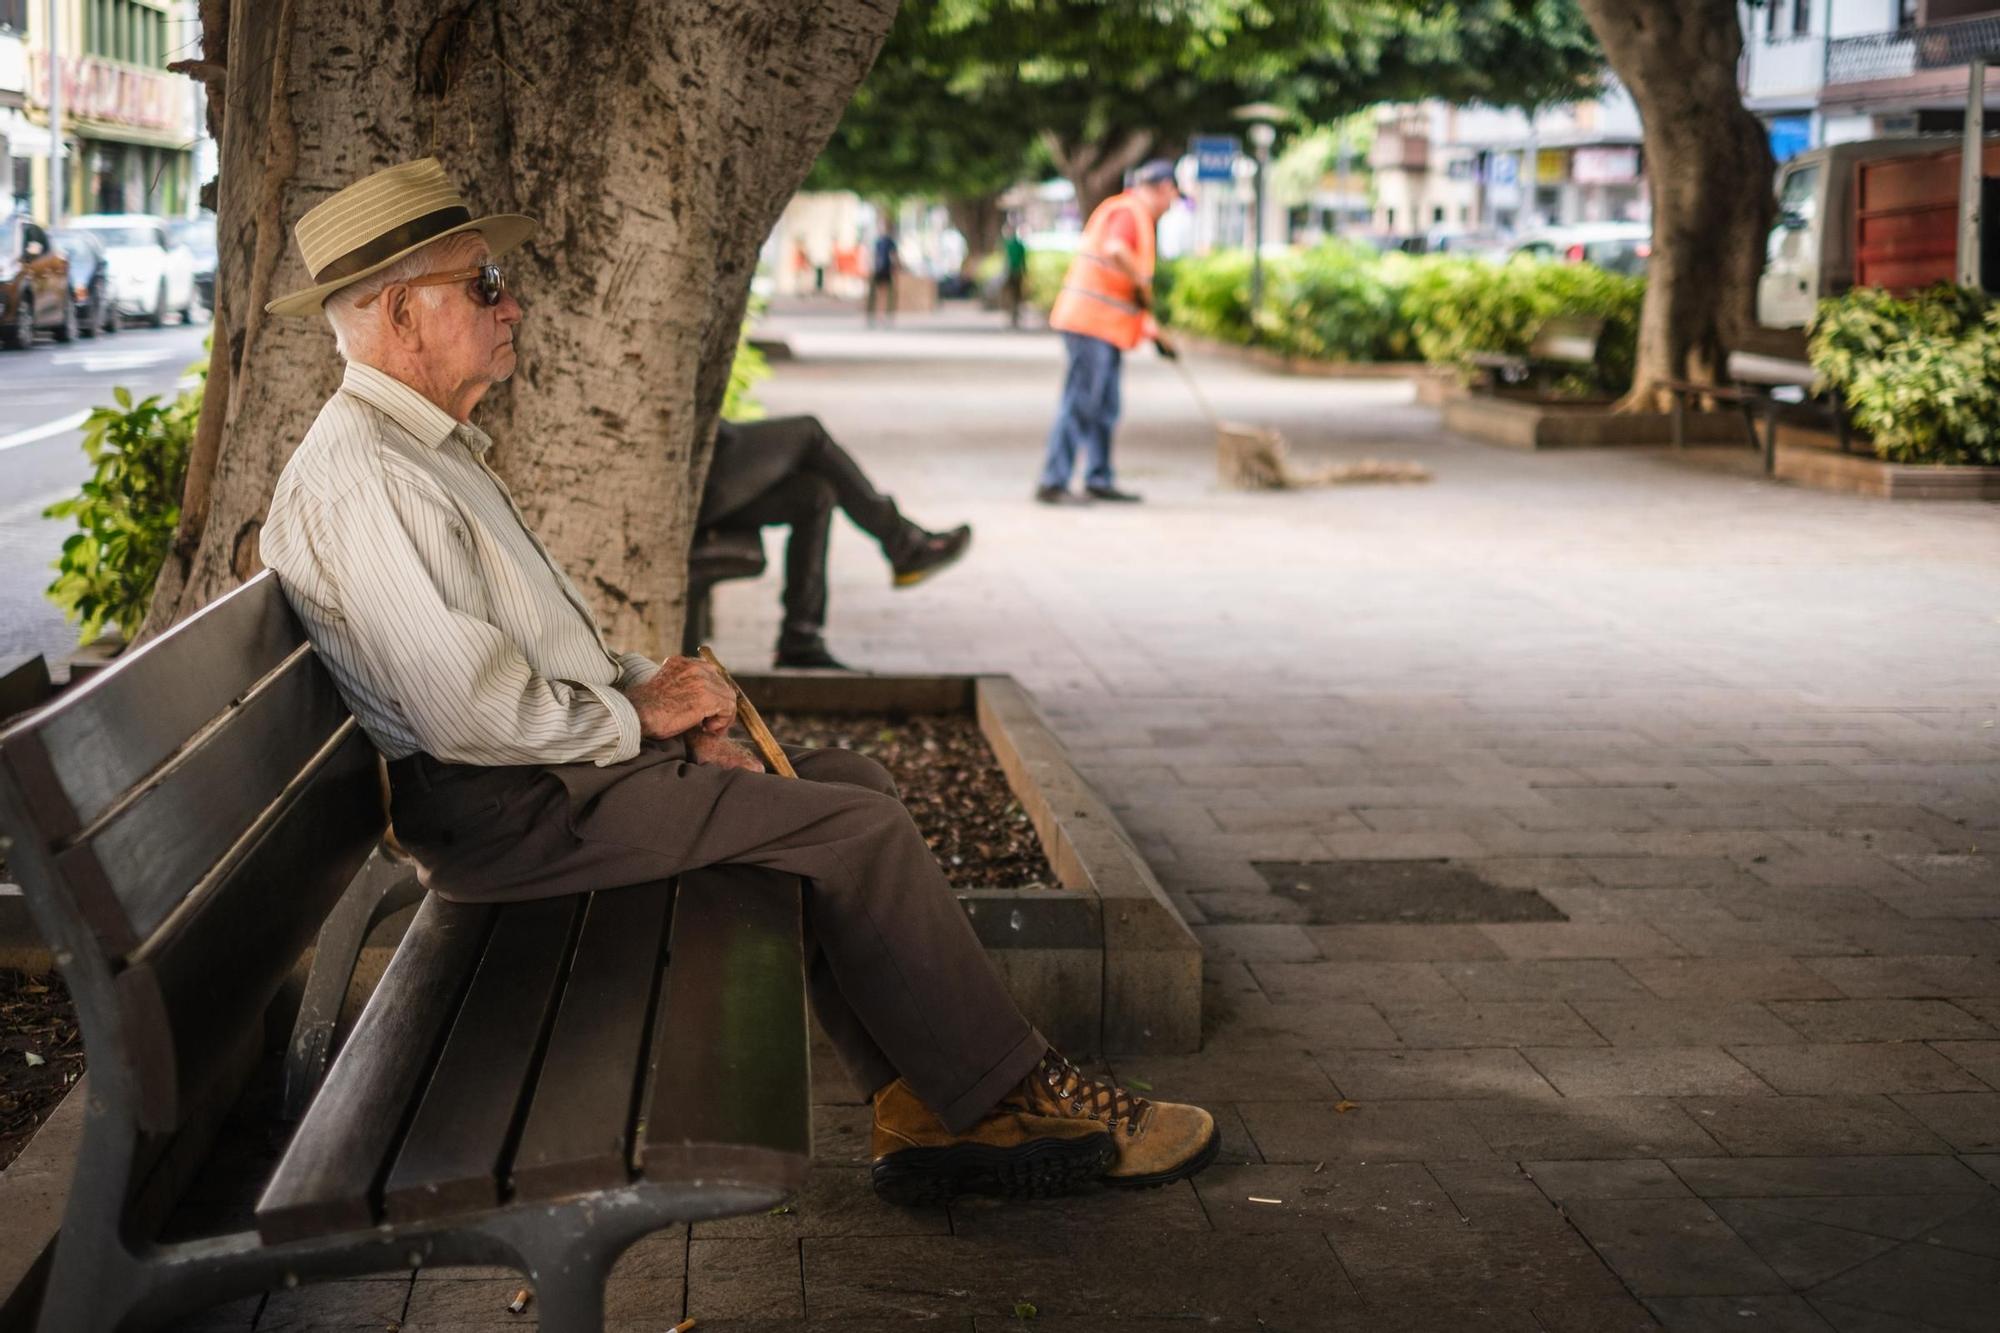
<point x="1088" y="413"/>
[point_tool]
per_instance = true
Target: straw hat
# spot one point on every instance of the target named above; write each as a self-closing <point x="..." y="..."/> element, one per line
<point x="377" y="220"/>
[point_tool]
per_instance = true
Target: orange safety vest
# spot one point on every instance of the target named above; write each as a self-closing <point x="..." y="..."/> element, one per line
<point x="1097" y="298"/>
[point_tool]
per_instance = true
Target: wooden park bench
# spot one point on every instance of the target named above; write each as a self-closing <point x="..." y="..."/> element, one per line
<point x="1561" y="345"/>
<point x="534" y="1085"/>
<point x="1766" y="386"/>
<point x="717" y="555"/>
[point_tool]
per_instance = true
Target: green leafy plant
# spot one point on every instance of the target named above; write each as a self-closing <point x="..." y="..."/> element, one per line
<point x="126" y="511"/>
<point x="1919" y="374"/>
<point x="750" y="368"/>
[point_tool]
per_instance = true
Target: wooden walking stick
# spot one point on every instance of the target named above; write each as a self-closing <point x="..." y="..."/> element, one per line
<point x="767" y="745"/>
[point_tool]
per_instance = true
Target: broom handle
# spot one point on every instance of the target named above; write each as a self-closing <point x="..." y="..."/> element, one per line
<point x="746" y="713"/>
<point x="1187" y="376"/>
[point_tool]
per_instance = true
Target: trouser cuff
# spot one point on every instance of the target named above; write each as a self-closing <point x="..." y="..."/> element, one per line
<point x="961" y="1113"/>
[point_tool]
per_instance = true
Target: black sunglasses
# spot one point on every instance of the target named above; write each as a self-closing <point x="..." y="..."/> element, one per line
<point x="489" y="284"/>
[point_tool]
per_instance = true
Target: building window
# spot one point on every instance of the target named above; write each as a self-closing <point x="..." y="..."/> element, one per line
<point x="14" y="14"/>
<point x="1906" y="15"/>
<point x="1801" y="18"/>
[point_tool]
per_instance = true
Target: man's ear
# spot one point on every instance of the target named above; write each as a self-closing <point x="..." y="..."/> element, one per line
<point x="399" y="308"/>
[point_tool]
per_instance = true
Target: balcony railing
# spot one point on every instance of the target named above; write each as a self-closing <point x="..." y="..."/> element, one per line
<point x="1898" y="55"/>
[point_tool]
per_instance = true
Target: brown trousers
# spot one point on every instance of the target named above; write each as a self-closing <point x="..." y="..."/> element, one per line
<point x="897" y="977"/>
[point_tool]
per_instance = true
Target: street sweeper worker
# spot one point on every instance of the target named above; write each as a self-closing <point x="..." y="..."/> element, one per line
<point x="1104" y="310"/>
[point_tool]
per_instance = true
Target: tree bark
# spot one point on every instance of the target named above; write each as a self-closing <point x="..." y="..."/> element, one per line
<point x="1096" y="170"/>
<point x="1709" y="168"/>
<point x="978" y="221"/>
<point x="656" y="141"/>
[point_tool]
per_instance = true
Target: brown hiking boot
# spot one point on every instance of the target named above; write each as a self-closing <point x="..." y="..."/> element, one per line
<point x="1158" y="1142"/>
<point x="1013" y="1152"/>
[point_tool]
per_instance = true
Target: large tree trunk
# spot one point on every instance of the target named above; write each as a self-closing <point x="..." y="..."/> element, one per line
<point x="1096" y="170"/>
<point x="1709" y="167"/>
<point x="656" y="140"/>
<point x="978" y="221"/>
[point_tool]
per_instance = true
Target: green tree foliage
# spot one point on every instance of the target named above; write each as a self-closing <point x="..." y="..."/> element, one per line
<point x="966" y="89"/>
<point x="126" y="511"/>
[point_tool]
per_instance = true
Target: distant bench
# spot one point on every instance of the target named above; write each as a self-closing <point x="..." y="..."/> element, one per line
<point x="1565" y="344"/>
<point x="1763" y="385"/>
<point x="535" y="1085"/>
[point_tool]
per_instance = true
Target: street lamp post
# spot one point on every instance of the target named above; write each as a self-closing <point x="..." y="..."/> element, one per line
<point x="1263" y="118"/>
<point x="1262" y="135"/>
<point x="55" y="122"/>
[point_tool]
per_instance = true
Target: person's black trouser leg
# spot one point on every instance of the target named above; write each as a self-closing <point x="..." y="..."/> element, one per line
<point x="820" y="455"/>
<point x="804" y="503"/>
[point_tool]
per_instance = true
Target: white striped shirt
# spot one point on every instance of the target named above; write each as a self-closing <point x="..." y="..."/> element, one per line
<point x="441" y="616"/>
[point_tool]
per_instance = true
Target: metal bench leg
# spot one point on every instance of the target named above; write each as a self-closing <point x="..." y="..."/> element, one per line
<point x="1748" y="407"/>
<point x="1680" y="420"/>
<point x="1770" y="437"/>
<point x="383" y="887"/>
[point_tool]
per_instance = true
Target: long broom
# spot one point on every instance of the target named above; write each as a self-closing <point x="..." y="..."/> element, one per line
<point x="1256" y="458"/>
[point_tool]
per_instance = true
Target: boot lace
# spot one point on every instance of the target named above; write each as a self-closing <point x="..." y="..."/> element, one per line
<point x="1092" y="1097"/>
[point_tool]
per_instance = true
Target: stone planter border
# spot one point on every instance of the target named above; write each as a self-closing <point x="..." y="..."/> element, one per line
<point x="1525" y="424"/>
<point x="1103" y="964"/>
<point x="1813" y="460"/>
<point x="1266" y="359"/>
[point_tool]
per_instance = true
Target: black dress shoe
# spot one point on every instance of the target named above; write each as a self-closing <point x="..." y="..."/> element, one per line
<point x="1059" y="495"/>
<point x="809" y="657"/>
<point x="1112" y="495"/>
<point x="935" y="551"/>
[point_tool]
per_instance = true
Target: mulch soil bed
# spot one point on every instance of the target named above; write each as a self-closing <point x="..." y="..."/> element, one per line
<point x="951" y="782"/>
<point x="41" y="1054"/>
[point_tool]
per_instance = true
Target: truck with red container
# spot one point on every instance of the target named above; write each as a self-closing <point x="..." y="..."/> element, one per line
<point x="1872" y="213"/>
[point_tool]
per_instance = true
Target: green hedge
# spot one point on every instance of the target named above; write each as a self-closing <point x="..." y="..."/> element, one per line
<point x="1919" y="374"/>
<point x="1339" y="302"/>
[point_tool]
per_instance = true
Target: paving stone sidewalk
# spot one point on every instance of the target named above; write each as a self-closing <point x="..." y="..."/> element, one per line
<point x="1733" y="1060"/>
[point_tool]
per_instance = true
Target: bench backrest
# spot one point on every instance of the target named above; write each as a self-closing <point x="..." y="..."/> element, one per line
<point x="182" y="824"/>
<point x="1571" y="338"/>
<point x="1756" y="368"/>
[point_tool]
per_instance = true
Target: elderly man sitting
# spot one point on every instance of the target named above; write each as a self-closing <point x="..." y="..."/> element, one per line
<point x="528" y="760"/>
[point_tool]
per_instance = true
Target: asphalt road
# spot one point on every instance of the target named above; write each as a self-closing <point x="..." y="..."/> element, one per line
<point x="44" y="395"/>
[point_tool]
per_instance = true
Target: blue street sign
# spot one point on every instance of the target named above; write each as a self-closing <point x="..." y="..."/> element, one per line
<point x="1214" y="157"/>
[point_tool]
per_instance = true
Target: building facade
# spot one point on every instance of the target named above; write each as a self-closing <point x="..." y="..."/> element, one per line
<point x="129" y="127"/>
<point x="1832" y="71"/>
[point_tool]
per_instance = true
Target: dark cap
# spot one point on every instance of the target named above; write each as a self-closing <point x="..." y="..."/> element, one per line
<point x="1155" y="171"/>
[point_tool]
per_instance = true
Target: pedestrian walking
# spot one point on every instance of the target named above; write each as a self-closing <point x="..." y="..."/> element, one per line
<point x="1104" y="310"/>
<point x="1015" y="288"/>
<point x="882" y="275"/>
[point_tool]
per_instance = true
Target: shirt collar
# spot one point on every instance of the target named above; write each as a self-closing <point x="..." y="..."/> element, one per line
<point x="422" y="418"/>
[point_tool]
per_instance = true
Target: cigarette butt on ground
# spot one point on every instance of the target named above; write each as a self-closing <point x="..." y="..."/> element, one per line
<point x="1256" y="1199"/>
<point x="520" y="1301"/>
<point x="682" y="1327"/>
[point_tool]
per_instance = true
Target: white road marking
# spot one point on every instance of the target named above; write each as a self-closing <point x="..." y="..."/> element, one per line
<point x="94" y="361"/>
<point x="43" y="431"/>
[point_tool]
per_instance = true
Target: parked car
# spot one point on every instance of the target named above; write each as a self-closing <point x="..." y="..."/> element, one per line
<point x="89" y="280"/>
<point x="150" y="275"/>
<point x="198" y="235"/>
<point x="34" y="285"/>
<point x="1619" y="247"/>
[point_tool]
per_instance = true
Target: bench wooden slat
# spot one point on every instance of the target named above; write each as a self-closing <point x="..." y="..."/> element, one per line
<point x="225" y="954"/>
<point x="452" y="1158"/>
<point x="160" y="843"/>
<point x="326" y="1180"/>
<point x="109" y="733"/>
<point x="726" y="1102"/>
<point x="578" y="1134"/>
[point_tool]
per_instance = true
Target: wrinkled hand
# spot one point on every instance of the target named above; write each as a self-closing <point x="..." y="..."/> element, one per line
<point x="686" y="694"/>
<point x="719" y="751"/>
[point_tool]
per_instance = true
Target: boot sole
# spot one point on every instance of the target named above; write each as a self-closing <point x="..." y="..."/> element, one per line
<point x="1041" y="1169"/>
<point x="1187" y="1167"/>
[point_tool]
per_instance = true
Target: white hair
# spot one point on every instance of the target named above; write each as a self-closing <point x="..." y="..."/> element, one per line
<point x="353" y="325"/>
